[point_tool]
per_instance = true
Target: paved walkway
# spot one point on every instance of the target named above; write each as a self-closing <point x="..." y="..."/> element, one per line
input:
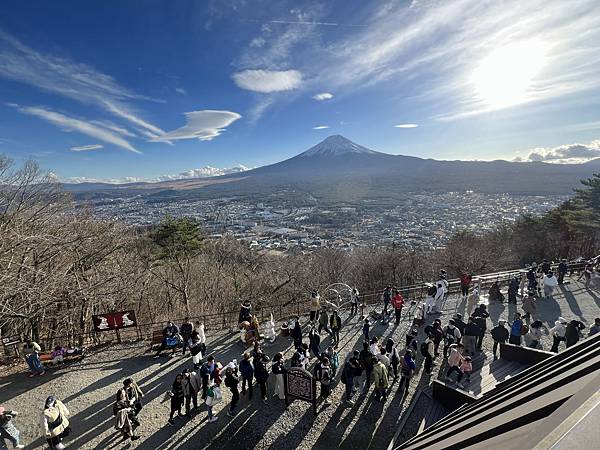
<point x="88" y="389"/>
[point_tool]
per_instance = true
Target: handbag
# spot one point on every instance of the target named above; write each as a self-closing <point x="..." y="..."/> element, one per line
<point x="218" y="395"/>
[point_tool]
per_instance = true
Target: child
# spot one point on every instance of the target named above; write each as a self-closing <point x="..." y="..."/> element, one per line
<point x="58" y="355"/>
<point x="334" y="360"/>
<point x="366" y="327"/>
<point x="465" y="369"/>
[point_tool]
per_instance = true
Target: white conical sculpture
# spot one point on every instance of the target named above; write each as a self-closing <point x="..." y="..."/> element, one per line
<point x="270" y="330"/>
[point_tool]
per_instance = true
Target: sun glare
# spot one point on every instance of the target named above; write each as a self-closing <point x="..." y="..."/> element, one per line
<point x="504" y="77"/>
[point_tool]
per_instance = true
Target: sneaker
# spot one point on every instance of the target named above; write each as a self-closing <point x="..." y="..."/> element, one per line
<point x="213" y="419"/>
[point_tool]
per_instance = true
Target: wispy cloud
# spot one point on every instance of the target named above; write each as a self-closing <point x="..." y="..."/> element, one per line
<point x="203" y="125"/>
<point x="72" y="124"/>
<point x="181" y="91"/>
<point x="84" y="148"/>
<point x="564" y="154"/>
<point x="65" y="77"/>
<point x="407" y="125"/>
<point x="267" y="81"/>
<point x="323" y="96"/>
<point x="321" y="127"/>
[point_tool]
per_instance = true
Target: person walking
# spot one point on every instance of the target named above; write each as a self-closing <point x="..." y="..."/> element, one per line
<point x="335" y="323"/>
<point x="207" y="373"/>
<point x="334" y="360"/>
<point x="134" y="396"/>
<point x="534" y="335"/>
<point x="278" y="369"/>
<point x="427" y="350"/>
<point x="123" y="411"/>
<point x="455" y="359"/>
<point x="8" y="430"/>
<point x="232" y="381"/>
<point x="55" y="420"/>
<point x="324" y="376"/>
<point x="516" y="330"/>
<point x="563" y="268"/>
<point x="366" y="328"/>
<point x="379" y="376"/>
<point x="397" y="303"/>
<point x="438" y="335"/>
<point x="297" y="334"/>
<point x="558" y="333"/>
<point x="247" y="373"/>
<point x="387" y="298"/>
<point x="31" y="351"/>
<point x="407" y="370"/>
<point x="177" y="398"/>
<point x="500" y="335"/>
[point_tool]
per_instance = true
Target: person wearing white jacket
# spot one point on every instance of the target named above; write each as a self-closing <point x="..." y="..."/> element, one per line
<point x="558" y="333"/>
<point x="550" y="283"/>
<point x="439" y="296"/>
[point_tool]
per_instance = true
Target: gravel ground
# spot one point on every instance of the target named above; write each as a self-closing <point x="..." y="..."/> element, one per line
<point x="88" y="390"/>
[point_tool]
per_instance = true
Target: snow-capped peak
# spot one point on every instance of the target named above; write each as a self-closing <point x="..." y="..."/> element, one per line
<point x="336" y="145"/>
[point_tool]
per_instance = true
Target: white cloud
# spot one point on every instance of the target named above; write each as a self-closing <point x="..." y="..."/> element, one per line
<point x="267" y="81"/>
<point x="407" y="125"/>
<point x="258" y="42"/>
<point x="203" y="172"/>
<point x="70" y="79"/>
<point x="564" y="154"/>
<point x="84" y="148"/>
<point x="323" y="96"/>
<point x="321" y="127"/>
<point x="203" y="125"/>
<point x="72" y="124"/>
<point x="181" y="91"/>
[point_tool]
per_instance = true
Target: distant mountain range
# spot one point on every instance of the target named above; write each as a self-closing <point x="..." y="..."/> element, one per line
<point x="339" y="170"/>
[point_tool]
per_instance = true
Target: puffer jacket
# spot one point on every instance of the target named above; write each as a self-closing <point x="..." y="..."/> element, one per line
<point x="379" y="376"/>
<point x="559" y="329"/>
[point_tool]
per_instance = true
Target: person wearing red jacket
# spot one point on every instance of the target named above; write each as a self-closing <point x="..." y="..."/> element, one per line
<point x="397" y="303"/>
<point x="465" y="283"/>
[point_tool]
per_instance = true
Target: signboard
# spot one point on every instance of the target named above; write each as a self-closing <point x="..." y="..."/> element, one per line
<point x="114" y="321"/>
<point x="11" y="340"/>
<point x="301" y="385"/>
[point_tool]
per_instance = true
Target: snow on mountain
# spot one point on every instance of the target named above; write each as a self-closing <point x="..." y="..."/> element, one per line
<point x="336" y="145"/>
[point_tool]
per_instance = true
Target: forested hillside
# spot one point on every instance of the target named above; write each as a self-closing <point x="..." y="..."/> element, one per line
<point x="59" y="265"/>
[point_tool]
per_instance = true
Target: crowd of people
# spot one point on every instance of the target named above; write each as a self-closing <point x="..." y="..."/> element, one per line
<point x="453" y="344"/>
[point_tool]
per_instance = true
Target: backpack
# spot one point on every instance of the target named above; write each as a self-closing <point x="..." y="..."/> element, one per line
<point x="424" y="349"/>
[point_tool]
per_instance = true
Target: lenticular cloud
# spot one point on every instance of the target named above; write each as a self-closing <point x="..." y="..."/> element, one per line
<point x="204" y="125"/>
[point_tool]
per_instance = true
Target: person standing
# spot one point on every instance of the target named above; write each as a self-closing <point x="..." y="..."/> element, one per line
<point x="334" y="360"/>
<point x="379" y="376"/>
<point x="232" y="381"/>
<point x="354" y="298"/>
<point x="472" y="333"/>
<point x="177" y="398"/>
<point x="191" y="387"/>
<point x="438" y="335"/>
<point x="454" y="361"/>
<point x="55" y="420"/>
<point x="297" y="334"/>
<point x="366" y="328"/>
<point x="314" y="343"/>
<point x="278" y="369"/>
<point x="480" y="314"/>
<point x="595" y="328"/>
<point x="134" y="395"/>
<point x="387" y="298"/>
<point x="500" y="335"/>
<point x="8" y="430"/>
<point x="407" y="370"/>
<point x="466" y="367"/>
<point x="550" y="283"/>
<point x="32" y="350"/>
<point x="563" y="268"/>
<point x="516" y="330"/>
<point x="472" y="301"/>
<point x="534" y="335"/>
<point x="430" y="299"/>
<point x="315" y="306"/>
<point x="123" y="411"/>
<point x="366" y="362"/>
<point x="324" y="376"/>
<point x="573" y="332"/>
<point x="187" y="328"/>
<point x="324" y="321"/>
<point x="427" y="350"/>
<point x="530" y="307"/>
<point x="347" y="378"/>
<point x="247" y="372"/>
<point x="451" y="336"/>
<point x="439" y="297"/>
<point x="558" y="333"/>
<point x="465" y="283"/>
<point x="513" y="290"/>
<point x="335" y="322"/>
<point x="207" y="371"/>
<point x="397" y="303"/>
<point x="261" y="372"/>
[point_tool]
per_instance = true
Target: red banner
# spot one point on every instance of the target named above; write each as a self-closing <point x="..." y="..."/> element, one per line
<point x="114" y="321"/>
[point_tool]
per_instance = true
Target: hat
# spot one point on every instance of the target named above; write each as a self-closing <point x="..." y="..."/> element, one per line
<point x="562" y="320"/>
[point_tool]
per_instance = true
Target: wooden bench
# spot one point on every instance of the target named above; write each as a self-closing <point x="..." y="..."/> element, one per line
<point x="46" y="358"/>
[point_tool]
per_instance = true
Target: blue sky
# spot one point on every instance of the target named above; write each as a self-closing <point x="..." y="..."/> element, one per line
<point x="120" y="90"/>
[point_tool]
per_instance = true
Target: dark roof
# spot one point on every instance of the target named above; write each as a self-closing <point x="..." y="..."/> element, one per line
<point x="517" y="412"/>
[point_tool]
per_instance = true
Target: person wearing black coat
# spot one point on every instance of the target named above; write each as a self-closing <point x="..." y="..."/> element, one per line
<point x="472" y="332"/>
<point x="247" y="373"/>
<point x="297" y="335"/>
<point x="500" y="335"/>
<point x="459" y="323"/>
<point x="177" y="398"/>
<point x="314" y="342"/>
<point x="513" y="289"/>
<point x="480" y="314"/>
<point x="231" y="381"/>
<point x="572" y="333"/>
<point x="261" y="373"/>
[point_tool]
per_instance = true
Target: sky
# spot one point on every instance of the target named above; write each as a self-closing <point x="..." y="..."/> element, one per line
<point x="123" y="90"/>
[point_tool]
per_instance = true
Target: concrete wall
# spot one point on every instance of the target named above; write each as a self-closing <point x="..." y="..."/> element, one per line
<point x="523" y="355"/>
